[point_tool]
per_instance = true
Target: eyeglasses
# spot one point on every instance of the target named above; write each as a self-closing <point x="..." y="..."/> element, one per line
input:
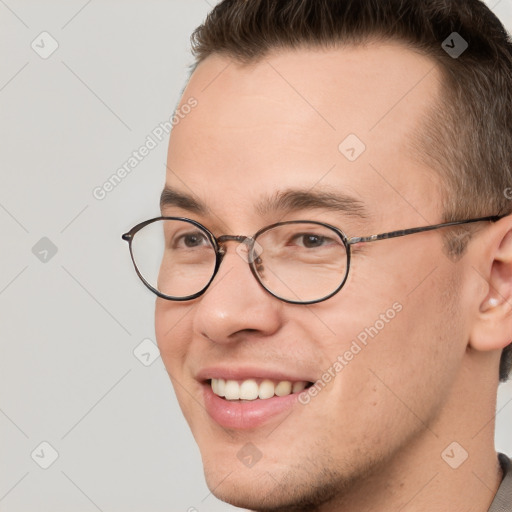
<point x="299" y="262"/>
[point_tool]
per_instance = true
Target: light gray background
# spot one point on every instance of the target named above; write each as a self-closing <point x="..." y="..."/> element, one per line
<point x="70" y="325"/>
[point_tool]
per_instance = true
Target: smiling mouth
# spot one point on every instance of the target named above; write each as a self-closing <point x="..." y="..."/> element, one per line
<point x="255" y="389"/>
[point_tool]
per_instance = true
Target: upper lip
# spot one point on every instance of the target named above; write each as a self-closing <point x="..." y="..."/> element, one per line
<point x="244" y="373"/>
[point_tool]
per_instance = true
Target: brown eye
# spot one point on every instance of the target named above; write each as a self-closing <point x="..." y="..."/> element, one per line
<point x="193" y="240"/>
<point x="311" y="240"/>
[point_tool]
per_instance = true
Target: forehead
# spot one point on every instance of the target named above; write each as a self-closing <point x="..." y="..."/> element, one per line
<point x="293" y="119"/>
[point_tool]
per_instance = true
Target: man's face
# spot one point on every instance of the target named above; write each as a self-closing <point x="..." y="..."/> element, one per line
<point x="265" y="130"/>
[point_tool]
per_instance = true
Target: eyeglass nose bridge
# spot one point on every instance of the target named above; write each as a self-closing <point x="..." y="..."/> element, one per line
<point x="247" y="241"/>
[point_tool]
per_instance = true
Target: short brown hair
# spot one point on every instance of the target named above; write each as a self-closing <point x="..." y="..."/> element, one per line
<point x="467" y="138"/>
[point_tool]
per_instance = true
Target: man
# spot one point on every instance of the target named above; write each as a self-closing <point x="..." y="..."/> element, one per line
<point x="320" y="367"/>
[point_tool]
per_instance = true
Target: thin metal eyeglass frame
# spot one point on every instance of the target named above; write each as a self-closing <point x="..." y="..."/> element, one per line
<point x="217" y="242"/>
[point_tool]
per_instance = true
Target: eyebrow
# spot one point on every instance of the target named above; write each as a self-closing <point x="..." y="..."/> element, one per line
<point x="294" y="200"/>
<point x="171" y="197"/>
<point x="286" y="201"/>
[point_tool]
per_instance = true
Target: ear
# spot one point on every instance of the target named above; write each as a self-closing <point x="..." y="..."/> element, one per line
<point x="492" y="326"/>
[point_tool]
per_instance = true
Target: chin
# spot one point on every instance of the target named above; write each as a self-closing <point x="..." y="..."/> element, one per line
<point x="240" y="490"/>
<point x="271" y="486"/>
<point x="263" y="492"/>
<point x="256" y="491"/>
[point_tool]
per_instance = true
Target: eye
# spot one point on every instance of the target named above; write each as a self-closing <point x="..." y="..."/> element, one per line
<point x="311" y="240"/>
<point x="191" y="240"/>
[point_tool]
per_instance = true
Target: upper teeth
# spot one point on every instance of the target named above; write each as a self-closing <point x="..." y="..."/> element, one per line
<point x="250" y="389"/>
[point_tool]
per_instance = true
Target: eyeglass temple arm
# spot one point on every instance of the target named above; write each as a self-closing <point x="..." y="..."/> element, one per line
<point x="403" y="232"/>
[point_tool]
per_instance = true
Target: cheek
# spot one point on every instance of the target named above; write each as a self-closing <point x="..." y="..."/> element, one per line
<point x="398" y="352"/>
<point x="173" y="335"/>
<point x="172" y="331"/>
<point x="414" y="360"/>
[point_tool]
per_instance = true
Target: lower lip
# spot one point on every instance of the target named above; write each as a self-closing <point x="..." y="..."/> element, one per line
<point x="245" y="415"/>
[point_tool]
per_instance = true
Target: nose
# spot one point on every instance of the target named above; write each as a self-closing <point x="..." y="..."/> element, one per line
<point x="235" y="305"/>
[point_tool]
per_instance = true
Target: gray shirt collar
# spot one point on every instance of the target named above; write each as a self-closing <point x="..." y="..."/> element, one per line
<point x="503" y="500"/>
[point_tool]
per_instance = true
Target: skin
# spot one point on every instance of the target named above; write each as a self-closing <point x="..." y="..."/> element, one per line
<point x="373" y="437"/>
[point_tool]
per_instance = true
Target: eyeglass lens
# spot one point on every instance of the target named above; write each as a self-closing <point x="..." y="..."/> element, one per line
<point x="298" y="262"/>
